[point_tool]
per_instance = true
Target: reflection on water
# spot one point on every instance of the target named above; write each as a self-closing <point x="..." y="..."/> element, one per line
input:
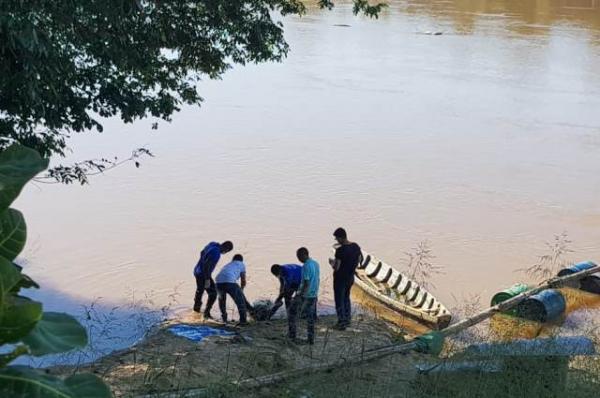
<point x="483" y="141"/>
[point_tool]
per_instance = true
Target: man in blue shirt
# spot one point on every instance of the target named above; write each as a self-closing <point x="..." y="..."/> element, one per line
<point x="289" y="276"/>
<point x="306" y="298"/>
<point x="209" y="257"/>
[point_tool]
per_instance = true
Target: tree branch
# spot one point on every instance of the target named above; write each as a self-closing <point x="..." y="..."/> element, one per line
<point x="81" y="171"/>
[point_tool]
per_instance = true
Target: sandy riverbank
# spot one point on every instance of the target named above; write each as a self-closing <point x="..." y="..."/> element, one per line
<point x="164" y="362"/>
<point x="166" y="365"/>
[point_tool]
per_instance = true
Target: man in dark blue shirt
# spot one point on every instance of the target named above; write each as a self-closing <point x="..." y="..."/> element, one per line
<point x="347" y="257"/>
<point x="209" y="257"/>
<point x="290" y="276"/>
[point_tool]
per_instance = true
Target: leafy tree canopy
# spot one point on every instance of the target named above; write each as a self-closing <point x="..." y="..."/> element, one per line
<point x="65" y="65"/>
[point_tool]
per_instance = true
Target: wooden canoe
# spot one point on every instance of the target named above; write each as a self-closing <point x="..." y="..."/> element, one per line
<point x="399" y="293"/>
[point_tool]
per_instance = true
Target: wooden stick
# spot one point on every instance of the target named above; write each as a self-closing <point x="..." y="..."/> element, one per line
<point x="513" y="302"/>
<point x="381" y="352"/>
<point x="500" y="307"/>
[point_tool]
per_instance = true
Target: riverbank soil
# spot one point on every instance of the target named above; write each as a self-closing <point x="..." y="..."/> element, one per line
<point x="167" y="365"/>
<point x="165" y="362"/>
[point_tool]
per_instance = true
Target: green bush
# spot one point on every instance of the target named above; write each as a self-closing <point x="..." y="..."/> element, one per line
<point x="24" y="328"/>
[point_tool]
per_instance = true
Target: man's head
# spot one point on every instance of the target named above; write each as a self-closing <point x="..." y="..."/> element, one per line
<point x="276" y="269"/>
<point x="340" y="235"/>
<point x="238" y="257"/>
<point x="302" y="254"/>
<point x="226" y="247"/>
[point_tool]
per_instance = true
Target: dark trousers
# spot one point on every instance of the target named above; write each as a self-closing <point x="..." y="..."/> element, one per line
<point x="211" y="291"/>
<point x="341" y="294"/>
<point x="236" y="293"/>
<point x="288" y="293"/>
<point x="298" y="306"/>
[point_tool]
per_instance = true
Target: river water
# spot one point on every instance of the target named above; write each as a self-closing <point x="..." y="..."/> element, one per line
<point x="483" y="141"/>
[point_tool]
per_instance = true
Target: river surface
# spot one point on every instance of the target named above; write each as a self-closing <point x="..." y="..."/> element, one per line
<point x="483" y="141"/>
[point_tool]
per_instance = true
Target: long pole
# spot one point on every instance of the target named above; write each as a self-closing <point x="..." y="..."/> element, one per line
<point x="384" y="351"/>
<point x="381" y="352"/>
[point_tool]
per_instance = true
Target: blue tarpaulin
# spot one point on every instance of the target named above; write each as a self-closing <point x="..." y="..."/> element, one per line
<point x="198" y="332"/>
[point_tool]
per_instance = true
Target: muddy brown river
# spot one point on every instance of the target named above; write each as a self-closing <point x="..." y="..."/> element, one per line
<point x="483" y="140"/>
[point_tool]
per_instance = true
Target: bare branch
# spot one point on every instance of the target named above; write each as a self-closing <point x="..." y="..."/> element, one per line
<point x="81" y="171"/>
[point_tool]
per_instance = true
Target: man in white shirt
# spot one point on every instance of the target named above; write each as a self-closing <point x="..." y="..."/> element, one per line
<point x="226" y="281"/>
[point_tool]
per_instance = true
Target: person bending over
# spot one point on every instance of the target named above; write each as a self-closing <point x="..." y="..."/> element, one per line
<point x="209" y="257"/>
<point x="289" y="276"/>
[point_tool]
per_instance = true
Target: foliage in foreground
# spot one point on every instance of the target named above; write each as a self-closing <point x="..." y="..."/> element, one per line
<point x="24" y="328"/>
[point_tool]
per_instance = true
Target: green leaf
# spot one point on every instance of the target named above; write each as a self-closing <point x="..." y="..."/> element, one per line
<point x="25" y="283"/>
<point x="22" y="381"/>
<point x="18" y="165"/>
<point x="10" y="276"/>
<point x="87" y="385"/>
<point x="13" y="233"/>
<point x="18" y="317"/>
<point x="56" y="333"/>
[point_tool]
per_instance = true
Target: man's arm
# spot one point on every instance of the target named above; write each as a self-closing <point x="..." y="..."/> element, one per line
<point x="281" y="290"/>
<point x="336" y="262"/>
<point x="304" y="285"/>
<point x="207" y="269"/>
<point x="304" y="290"/>
<point x="279" y="300"/>
<point x="243" y="280"/>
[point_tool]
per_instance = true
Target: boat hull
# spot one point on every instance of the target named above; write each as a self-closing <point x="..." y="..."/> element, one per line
<point x="397" y="311"/>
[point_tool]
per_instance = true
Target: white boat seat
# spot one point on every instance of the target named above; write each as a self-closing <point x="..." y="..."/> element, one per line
<point x="375" y="270"/>
<point x="419" y="300"/>
<point x="371" y="268"/>
<point x="430" y="303"/>
<point x="404" y="286"/>
<point x="395" y="279"/>
<point x="365" y="262"/>
<point x="384" y="275"/>
<point x="412" y="292"/>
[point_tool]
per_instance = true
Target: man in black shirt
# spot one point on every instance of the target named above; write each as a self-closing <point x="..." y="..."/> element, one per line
<point x="347" y="257"/>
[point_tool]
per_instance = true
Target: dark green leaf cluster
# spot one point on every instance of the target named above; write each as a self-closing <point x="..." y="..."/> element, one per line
<point x="363" y="6"/>
<point x="66" y="65"/>
<point x="24" y="327"/>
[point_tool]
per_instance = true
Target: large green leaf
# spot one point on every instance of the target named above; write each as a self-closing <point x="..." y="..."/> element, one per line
<point x="10" y="276"/>
<point x="17" y="318"/>
<point x="25" y="382"/>
<point x="13" y="233"/>
<point x="25" y="283"/>
<point x="56" y="333"/>
<point x="18" y="165"/>
<point x="87" y="385"/>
